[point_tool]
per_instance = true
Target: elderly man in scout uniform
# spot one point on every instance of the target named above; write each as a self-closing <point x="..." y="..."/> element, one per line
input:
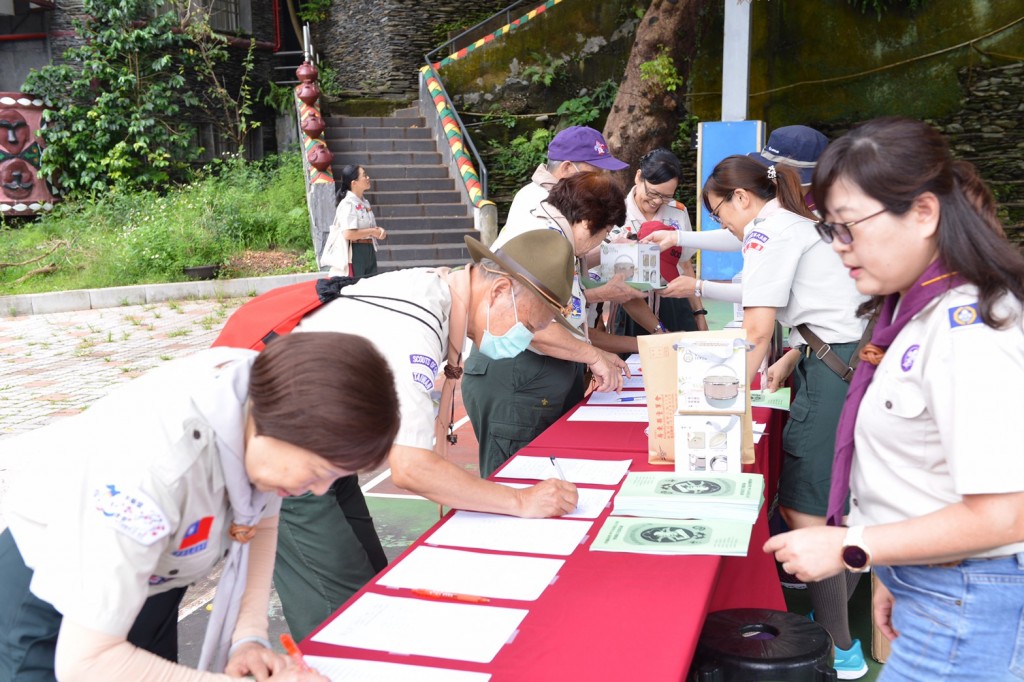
<point x="419" y="319"/>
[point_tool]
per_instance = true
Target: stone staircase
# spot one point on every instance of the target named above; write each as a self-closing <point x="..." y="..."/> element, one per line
<point x="413" y="194"/>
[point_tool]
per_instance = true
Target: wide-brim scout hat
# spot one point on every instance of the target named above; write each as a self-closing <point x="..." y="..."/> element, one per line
<point x="542" y="261"/>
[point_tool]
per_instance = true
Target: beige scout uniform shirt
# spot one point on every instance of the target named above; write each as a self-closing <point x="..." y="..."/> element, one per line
<point x="941" y="419"/>
<point x="786" y="266"/>
<point x="405" y="315"/>
<point x="127" y="499"/>
<point x="352" y="213"/>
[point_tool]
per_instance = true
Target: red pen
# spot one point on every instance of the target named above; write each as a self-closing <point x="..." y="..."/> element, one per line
<point x="431" y="594"/>
<point x="293" y="650"/>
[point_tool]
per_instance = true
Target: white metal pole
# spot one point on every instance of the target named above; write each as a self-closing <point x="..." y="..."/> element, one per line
<point x="736" y="60"/>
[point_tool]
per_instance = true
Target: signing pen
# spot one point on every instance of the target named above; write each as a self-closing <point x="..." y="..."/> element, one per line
<point x="293" y="650"/>
<point x="629" y="400"/>
<point x="431" y="594"/>
<point x="558" y="468"/>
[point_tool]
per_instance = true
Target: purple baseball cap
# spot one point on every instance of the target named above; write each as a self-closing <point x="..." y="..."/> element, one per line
<point x="795" y="146"/>
<point x="583" y="144"/>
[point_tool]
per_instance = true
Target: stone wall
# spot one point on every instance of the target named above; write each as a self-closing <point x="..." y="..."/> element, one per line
<point x="377" y="46"/>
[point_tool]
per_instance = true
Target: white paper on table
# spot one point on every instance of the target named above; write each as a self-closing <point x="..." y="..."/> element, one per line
<point x="497" y="576"/>
<point x="354" y="670"/>
<point x="633" y="359"/>
<point x="759" y="431"/>
<point x="605" y="413"/>
<point x="591" y="502"/>
<point x="465" y="632"/>
<point x="612" y="398"/>
<point x="510" y="533"/>
<point x="635" y="381"/>
<point x="593" y="471"/>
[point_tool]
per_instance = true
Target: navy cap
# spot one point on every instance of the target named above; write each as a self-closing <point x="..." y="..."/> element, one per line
<point x="795" y="146"/>
<point x="583" y="144"/>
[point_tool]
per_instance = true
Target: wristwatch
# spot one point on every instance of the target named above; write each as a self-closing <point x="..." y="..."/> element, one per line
<point x="856" y="555"/>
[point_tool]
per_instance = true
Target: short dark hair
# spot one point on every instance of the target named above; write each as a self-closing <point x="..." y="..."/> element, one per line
<point x="330" y="393"/>
<point x="738" y="171"/>
<point x="595" y="197"/>
<point x="894" y="160"/>
<point x="660" y="165"/>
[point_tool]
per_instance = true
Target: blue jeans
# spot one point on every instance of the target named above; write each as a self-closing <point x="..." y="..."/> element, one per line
<point x="957" y="624"/>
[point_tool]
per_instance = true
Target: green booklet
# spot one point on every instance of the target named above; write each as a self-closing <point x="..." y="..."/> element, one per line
<point x="735" y="497"/>
<point x="672" y="536"/>
<point x="778" y="400"/>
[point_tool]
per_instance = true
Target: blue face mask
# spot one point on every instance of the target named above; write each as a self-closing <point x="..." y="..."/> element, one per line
<point x="511" y="343"/>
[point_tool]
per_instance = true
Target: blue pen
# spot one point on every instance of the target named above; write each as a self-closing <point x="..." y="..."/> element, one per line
<point x="628" y="400"/>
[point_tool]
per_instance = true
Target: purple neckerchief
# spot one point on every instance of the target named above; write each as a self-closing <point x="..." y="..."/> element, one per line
<point x="935" y="281"/>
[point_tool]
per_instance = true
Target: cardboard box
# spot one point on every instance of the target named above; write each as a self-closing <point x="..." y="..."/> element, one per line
<point x="637" y="263"/>
<point x="658" y="357"/>
<point x="708" y="443"/>
<point x="712" y="375"/>
<point x="880" y="646"/>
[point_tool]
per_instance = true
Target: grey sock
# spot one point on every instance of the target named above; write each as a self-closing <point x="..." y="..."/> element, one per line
<point x="852" y="580"/>
<point x="828" y="597"/>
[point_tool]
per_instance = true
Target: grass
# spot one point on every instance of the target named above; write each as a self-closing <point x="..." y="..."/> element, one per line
<point x="124" y="238"/>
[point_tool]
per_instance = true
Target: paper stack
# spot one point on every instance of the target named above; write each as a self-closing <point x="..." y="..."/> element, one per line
<point x="671" y="536"/>
<point x="732" y="497"/>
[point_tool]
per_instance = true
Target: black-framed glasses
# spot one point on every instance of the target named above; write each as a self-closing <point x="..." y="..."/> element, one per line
<point x="714" y="212"/>
<point x="841" y="231"/>
<point x="651" y="194"/>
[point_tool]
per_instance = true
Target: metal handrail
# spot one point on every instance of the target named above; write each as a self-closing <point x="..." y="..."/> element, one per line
<point x="467" y="140"/>
<point x="506" y="11"/>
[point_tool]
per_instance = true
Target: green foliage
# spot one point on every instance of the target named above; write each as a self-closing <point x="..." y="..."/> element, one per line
<point x="280" y="98"/>
<point x="881" y="5"/>
<point x="662" y="70"/>
<point x="117" y="102"/>
<point x="330" y="81"/>
<point x="522" y="154"/>
<point x="589" y="106"/>
<point x="119" y="96"/>
<point x="545" y="69"/>
<point x="130" y="237"/>
<point x="314" y="10"/>
<point x="684" y="134"/>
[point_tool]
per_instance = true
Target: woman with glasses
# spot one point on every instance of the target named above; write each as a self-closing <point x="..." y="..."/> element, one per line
<point x="791" y="276"/>
<point x="928" y="444"/>
<point x="351" y="248"/>
<point x="651" y="200"/>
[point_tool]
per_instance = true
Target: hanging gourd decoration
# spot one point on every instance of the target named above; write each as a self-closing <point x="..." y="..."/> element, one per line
<point x="308" y="93"/>
<point x="307" y="73"/>
<point x="313" y="126"/>
<point x="319" y="156"/>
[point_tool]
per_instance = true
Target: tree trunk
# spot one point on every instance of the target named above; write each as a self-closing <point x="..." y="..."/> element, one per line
<point x="645" y="115"/>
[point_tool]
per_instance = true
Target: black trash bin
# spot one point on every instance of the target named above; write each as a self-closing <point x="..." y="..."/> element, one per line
<point x="762" y="645"/>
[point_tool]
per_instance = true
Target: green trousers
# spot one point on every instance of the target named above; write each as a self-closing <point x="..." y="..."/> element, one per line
<point x="510" y="402"/>
<point x="327" y="549"/>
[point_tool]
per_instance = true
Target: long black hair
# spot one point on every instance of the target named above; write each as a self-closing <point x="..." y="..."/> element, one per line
<point x="895" y="160"/>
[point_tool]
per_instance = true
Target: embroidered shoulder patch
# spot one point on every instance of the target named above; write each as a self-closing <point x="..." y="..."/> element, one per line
<point x="963" y="315"/>
<point x="131" y="512"/>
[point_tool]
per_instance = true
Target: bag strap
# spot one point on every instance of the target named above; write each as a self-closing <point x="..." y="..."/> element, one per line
<point x="823" y="352"/>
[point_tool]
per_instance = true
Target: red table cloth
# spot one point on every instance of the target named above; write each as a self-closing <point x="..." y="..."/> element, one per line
<point x="612" y="616"/>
